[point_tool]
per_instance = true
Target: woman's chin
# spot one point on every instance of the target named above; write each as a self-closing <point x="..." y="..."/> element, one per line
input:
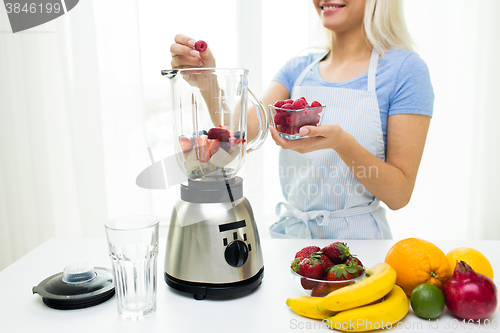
<point x="338" y="26"/>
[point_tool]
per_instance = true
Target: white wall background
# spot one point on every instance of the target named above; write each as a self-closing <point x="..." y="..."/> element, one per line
<point x="81" y="98"/>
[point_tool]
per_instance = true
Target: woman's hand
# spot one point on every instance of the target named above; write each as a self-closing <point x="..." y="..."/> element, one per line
<point x="184" y="54"/>
<point x="328" y="136"/>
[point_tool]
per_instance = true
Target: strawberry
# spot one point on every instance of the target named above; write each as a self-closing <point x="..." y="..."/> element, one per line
<point x="298" y="104"/>
<point x="321" y="289"/>
<point x="307" y="251"/>
<point x="279" y="119"/>
<point x="288" y="101"/>
<point x="315" y="104"/>
<point x="285" y="129"/>
<point x="355" y="262"/>
<point x="338" y="252"/>
<point x="287" y="106"/>
<point x="311" y="267"/>
<point x="279" y="104"/>
<point x="340" y="272"/>
<point x="327" y="263"/>
<point x="206" y="148"/>
<point x="231" y="144"/>
<point x="293" y="120"/>
<point x="186" y="144"/>
<point x="307" y="284"/>
<point x="306" y="114"/>
<point x="314" y="120"/>
<point x="304" y="99"/>
<point x="220" y="134"/>
<point x="200" y="46"/>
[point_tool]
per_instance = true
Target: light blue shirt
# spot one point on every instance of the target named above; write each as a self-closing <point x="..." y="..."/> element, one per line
<point x="403" y="83"/>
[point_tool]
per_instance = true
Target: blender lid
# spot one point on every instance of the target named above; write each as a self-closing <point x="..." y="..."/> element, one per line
<point x="79" y="286"/>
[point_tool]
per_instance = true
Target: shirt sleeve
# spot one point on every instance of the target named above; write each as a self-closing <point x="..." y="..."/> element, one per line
<point x="413" y="92"/>
<point x="291" y="71"/>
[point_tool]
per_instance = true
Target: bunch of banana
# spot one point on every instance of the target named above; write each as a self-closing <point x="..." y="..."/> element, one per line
<point x="362" y="306"/>
<point x="306" y="307"/>
<point x="393" y="307"/>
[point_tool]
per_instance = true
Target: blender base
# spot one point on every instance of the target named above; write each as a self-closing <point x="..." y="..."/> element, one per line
<point x="201" y="290"/>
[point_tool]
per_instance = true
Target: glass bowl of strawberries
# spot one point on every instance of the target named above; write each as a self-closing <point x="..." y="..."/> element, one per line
<point x="288" y="116"/>
<point x="318" y="272"/>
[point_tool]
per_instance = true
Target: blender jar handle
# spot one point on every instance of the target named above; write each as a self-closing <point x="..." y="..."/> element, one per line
<point x="260" y="111"/>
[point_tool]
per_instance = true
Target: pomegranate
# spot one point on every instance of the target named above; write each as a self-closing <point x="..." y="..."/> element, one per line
<point x="470" y="295"/>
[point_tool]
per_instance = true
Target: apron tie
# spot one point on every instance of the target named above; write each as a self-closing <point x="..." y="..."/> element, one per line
<point x="294" y="223"/>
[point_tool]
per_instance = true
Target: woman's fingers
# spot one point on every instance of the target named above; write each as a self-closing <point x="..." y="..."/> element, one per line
<point x="301" y="146"/>
<point x="178" y="49"/>
<point x="184" y="54"/>
<point x="181" y="61"/>
<point x="184" y="40"/>
<point x="277" y="138"/>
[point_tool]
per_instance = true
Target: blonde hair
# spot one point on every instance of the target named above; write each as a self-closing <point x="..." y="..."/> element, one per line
<point x="384" y="26"/>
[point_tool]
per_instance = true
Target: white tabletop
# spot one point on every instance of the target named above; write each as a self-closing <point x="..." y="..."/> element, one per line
<point x="263" y="310"/>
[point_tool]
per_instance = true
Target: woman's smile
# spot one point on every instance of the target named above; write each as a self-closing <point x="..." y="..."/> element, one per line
<point x="328" y="8"/>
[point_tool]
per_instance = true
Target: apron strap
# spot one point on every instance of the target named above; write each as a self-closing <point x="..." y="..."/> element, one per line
<point x="302" y="75"/>
<point x="372" y="70"/>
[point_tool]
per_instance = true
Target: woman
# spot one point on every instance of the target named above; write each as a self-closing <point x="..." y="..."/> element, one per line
<point x="379" y="102"/>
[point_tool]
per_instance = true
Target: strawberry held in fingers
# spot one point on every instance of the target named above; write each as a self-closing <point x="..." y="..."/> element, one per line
<point x="338" y="252"/>
<point x="200" y="46"/>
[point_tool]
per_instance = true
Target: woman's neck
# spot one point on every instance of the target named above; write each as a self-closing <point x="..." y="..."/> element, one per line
<point x="348" y="46"/>
<point x="349" y="58"/>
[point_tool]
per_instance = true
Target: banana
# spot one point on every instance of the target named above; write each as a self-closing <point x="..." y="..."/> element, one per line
<point x="380" y="280"/>
<point x="390" y="310"/>
<point x="306" y="307"/>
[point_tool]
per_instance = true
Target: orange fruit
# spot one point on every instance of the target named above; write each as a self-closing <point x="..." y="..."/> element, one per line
<point x="475" y="259"/>
<point x="418" y="261"/>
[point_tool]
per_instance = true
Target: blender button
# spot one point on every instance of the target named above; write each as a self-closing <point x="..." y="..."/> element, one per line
<point x="235" y="235"/>
<point x="249" y="247"/>
<point x="244" y="237"/>
<point x="225" y="241"/>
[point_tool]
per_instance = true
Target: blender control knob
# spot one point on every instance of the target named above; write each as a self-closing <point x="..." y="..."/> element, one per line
<point x="236" y="253"/>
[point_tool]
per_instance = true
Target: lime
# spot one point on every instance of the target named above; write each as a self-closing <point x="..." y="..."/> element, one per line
<point x="427" y="301"/>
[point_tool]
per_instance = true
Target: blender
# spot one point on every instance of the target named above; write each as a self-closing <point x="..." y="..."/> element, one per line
<point x="213" y="245"/>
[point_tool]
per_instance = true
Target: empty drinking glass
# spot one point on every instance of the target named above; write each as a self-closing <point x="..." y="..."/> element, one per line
<point x="133" y="249"/>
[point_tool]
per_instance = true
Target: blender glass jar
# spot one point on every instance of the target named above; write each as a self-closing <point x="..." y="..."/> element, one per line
<point x="210" y="120"/>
